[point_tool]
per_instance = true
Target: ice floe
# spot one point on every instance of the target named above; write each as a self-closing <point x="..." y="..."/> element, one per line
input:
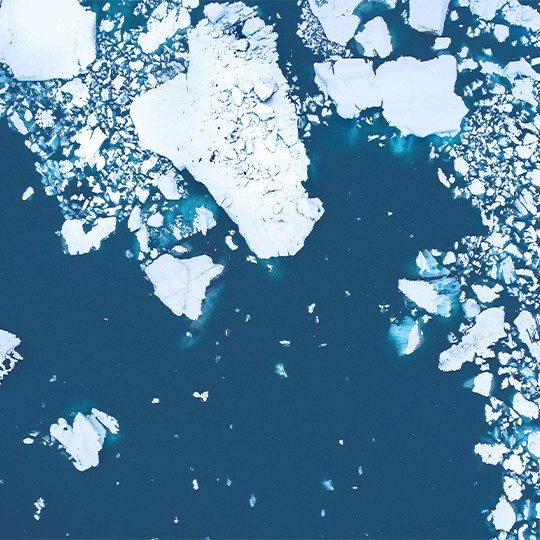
<point x="428" y="15"/>
<point x="84" y="439"/>
<point x="8" y="354"/>
<point x="231" y="124"/>
<point x="181" y="283"/>
<point x="375" y="38"/>
<point x="46" y="39"/>
<point x="417" y="97"/>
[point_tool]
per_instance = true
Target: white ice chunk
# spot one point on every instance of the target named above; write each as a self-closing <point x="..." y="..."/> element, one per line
<point x="503" y="516"/>
<point x="78" y="241"/>
<point x="488" y="328"/>
<point x="8" y="355"/>
<point x="418" y="97"/>
<point x="204" y="220"/>
<point x="487" y="294"/>
<point x="375" y="38"/>
<point x="82" y="441"/>
<point x="524" y="407"/>
<point x="424" y="294"/>
<point x="528" y="332"/>
<point x="253" y="169"/>
<point x="482" y="383"/>
<point x="107" y="420"/>
<point x="46" y="39"/>
<point x="28" y="192"/>
<point x="336" y="17"/>
<point x="181" y="283"/>
<point x="162" y="25"/>
<point x="491" y="454"/>
<point x="428" y="15"/>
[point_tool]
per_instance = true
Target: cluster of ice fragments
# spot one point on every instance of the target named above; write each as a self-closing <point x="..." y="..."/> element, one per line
<point x="8" y="354"/>
<point x="495" y="292"/>
<point x="227" y="119"/>
<point x="84" y="439"/>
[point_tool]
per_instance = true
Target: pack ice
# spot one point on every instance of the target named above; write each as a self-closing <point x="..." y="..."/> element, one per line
<point x="8" y="355"/>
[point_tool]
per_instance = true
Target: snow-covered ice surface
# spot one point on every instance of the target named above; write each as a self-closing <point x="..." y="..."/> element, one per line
<point x="83" y="440"/>
<point x="46" y="39"/>
<point x="8" y="354"/>
<point x="231" y="124"/>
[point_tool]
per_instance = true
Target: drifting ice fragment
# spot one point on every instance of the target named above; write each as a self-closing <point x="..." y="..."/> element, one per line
<point x="375" y="38"/>
<point x="181" y="283"/>
<point x="79" y="242"/>
<point x="8" y="355"/>
<point x="407" y="336"/>
<point x="84" y="440"/>
<point x="336" y="18"/>
<point x="428" y="15"/>
<point x="46" y="39"/>
<point x="503" y="516"/>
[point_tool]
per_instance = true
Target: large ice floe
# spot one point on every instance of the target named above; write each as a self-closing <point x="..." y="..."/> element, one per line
<point x="46" y="39"/>
<point x="8" y="354"/>
<point x="231" y="124"/>
<point x="417" y="97"/>
<point x="181" y="283"/>
<point x="84" y="439"/>
<point x="428" y="15"/>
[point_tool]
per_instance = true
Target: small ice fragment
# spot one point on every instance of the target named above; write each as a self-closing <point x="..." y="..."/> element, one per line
<point x="252" y="500"/>
<point x="285" y="343"/>
<point x="28" y="192"/>
<point x="195" y="484"/>
<point x="155" y="400"/>
<point x="203" y="396"/>
<point x="280" y="370"/>
<point x="328" y="485"/>
<point x="28" y="440"/>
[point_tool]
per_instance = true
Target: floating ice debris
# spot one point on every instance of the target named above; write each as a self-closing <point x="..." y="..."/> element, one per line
<point x="84" y="440"/>
<point x="78" y="241"/>
<point x="488" y="328"/>
<point x="252" y="164"/>
<point x="155" y="401"/>
<point x="375" y="38"/>
<point x="503" y="516"/>
<point x="482" y="384"/>
<point x="28" y="192"/>
<point x="417" y="97"/>
<point x="8" y="355"/>
<point x="39" y="506"/>
<point x="407" y="336"/>
<point x="328" y="485"/>
<point x="230" y="242"/>
<point x="285" y="343"/>
<point x="280" y="370"/>
<point x="163" y="23"/>
<point x="323" y="512"/>
<point x="204" y="220"/>
<point x="512" y="10"/>
<point x="428" y="15"/>
<point x="203" y="396"/>
<point x="181" y="283"/>
<point x="435" y="296"/>
<point x="46" y="39"/>
<point x="252" y="500"/>
<point x="28" y="440"/>
<point x="337" y="18"/>
<point x="195" y="484"/>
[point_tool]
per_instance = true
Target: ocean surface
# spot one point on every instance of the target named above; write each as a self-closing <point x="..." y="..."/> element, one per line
<point x="93" y="322"/>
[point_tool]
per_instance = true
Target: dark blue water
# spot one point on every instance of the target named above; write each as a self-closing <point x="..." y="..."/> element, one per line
<point x="93" y="322"/>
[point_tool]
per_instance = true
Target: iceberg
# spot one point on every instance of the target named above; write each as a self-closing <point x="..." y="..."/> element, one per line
<point x="181" y="283"/>
<point x="428" y="15"/>
<point x="417" y="97"/>
<point x="231" y="124"/>
<point x="78" y="241"/>
<point x="488" y="329"/>
<point x="375" y="38"/>
<point x="84" y="440"/>
<point x="46" y="39"/>
<point x="435" y="296"/>
<point x="337" y="18"/>
<point x="407" y="336"/>
<point x="503" y="516"/>
<point x="8" y="355"/>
